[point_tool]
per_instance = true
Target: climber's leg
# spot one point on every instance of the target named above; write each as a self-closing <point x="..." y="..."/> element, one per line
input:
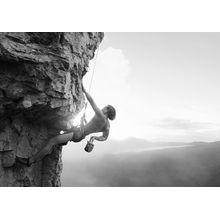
<point x="59" y="139"/>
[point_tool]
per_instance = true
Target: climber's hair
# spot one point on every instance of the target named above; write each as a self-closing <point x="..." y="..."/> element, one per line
<point x="111" y="112"/>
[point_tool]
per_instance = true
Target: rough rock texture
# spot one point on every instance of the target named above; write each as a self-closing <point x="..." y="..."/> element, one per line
<point x="40" y="91"/>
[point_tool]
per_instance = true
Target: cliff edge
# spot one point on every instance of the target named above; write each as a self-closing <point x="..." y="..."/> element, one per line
<point x="40" y="91"/>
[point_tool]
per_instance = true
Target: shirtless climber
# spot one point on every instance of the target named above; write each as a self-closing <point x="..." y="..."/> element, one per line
<point x="99" y="123"/>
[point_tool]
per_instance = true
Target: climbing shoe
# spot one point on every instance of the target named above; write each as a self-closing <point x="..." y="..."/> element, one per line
<point x="89" y="147"/>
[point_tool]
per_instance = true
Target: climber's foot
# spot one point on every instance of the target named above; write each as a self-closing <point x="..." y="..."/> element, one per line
<point x="89" y="147"/>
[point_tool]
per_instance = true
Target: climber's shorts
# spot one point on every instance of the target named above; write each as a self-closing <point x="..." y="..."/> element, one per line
<point x="78" y="134"/>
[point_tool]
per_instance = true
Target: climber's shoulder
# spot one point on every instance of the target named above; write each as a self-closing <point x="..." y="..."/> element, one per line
<point x="99" y="113"/>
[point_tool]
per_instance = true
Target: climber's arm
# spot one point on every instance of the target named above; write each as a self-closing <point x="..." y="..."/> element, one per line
<point x="92" y="103"/>
<point x="104" y="136"/>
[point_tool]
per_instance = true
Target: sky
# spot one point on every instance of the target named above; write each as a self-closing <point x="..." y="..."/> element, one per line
<point x="164" y="86"/>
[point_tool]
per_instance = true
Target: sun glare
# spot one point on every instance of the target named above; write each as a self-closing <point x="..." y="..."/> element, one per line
<point x="76" y="121"/>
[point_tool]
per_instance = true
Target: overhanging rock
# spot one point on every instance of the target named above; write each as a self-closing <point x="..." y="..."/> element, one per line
<point x="40" y="90"/>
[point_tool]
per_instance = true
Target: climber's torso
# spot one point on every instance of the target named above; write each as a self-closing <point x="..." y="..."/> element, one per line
<point x="97" y="124"/>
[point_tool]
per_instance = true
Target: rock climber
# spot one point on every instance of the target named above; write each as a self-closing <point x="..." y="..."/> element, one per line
<point x="99" y="123"/>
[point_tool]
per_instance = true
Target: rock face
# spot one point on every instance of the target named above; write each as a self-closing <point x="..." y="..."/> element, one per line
<point x="40" y="91"/>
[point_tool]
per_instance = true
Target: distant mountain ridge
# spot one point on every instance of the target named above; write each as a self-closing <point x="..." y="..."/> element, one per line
<point x="141" y="144"/>
<point x="75" y="150"/>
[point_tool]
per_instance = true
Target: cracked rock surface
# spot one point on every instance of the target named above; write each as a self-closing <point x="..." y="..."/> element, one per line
<point x="40" y="91"/>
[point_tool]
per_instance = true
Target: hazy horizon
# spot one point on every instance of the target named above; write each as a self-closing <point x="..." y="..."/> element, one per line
<point x="141" y="163"/>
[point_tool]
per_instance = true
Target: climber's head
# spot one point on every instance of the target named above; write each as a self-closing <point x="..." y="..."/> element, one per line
<point x="109" y="111"/>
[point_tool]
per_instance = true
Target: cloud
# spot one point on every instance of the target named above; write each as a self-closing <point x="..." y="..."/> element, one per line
<point x="111" y="86"/>
<point x="110" y="81"/>
<point x="183" y="124"/>
<point x="138" y="113"/>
